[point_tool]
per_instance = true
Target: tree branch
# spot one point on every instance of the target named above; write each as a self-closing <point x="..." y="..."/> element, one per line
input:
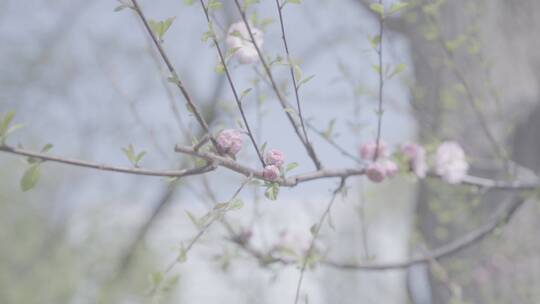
<point x="503" y="216"/>
<point x="103" y="167"/>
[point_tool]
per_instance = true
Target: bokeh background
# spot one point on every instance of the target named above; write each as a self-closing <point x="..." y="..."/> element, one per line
<point x="86" y="79"/>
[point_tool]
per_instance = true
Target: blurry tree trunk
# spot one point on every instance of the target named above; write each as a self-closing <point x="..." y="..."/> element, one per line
<point x="491" y="59"/>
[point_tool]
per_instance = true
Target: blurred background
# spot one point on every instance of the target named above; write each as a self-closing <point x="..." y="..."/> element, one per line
<point x="86" y="79"/>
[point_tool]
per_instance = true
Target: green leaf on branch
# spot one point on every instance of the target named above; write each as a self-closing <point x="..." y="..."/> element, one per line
<point x="46" y="148"/>
<point x="374" y="41"/>
<point x="214" y="4"/>
<point x="397" y="69"/>
<point x="272" y="191"/>
<point x="376" y="68"/>
<point x="160" y="27"/>
<point x="132" y="156"/>
<point x="194" y="220"/>
<point x="396" y="7"/>
<point x="292" y="2"/>
<point x="182" y="255"/>
<point x="304" y="81"/>
<point x="220" y="68"/>
<point x="244" y="93"/>
<point x="377" y="8"/>
<point x="297" y="71"/>
<point x="330" y="129"/>
<point x="291" y="166"/>
<point x="5" y="128"/>
<point x="30" y="177"/>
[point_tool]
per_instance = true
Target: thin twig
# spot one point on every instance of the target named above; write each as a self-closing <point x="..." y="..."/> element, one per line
<point x="281" y="99"/>
<point x="316" y="232"/>
<point x="174" y="75"/>
<point x="291" y="68"/>
<point x="334" y="144"/>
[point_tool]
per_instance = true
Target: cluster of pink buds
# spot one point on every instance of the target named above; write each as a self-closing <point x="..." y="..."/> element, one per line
<point x="229" y="141"/>
<point x="381" y="166"/>
<point x="274" y="160"/>
<point x="449" y="161"/>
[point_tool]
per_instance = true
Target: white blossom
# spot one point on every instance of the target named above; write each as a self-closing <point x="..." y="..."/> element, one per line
<point x="450" y="162"/>
<point x="238" y="38"/>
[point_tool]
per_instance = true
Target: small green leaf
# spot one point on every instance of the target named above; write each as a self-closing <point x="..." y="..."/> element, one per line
<point x="244" y="93"/>
<point x="396" y="7"/>
<point x="214" y="4"/>
<point x="377" y="8"/>
<point x="304" y="81"/>
<point x="374" y="41"/>
<point x="5" y="123"/>
<point x="291" y="166"/>
<point x="160" y="27"/>
<point x="397" y="69"/>
<point x="297" y="71"/>
<point x="272" y="191"/>
<point x="156" y="278"/>
<point x="194" y="220"/>
<point x="46" y="148"/>
<point x="330" y="129"/>
<point x="182" y="255"/>
<point x="289" y="110"/>
<point x="376" y="68"/>
<point x="30" y="177"/>
<point x="121" y="7"/>
<point x="235" y="204"/>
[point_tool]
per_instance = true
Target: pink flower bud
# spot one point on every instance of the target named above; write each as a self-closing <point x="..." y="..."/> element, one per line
<point x="376" y="172"/>
<point x="229" y="141"/>
<point x="367" y="150"/>
<point x="416" y="156"/>
<point x="450" y="162"/>
<point x="274" y="157"/>
<point x="271" y="172"/>
<point x="390" y="168"/>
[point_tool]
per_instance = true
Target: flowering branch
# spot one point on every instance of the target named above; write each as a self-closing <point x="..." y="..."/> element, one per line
<point x="286" y="182"/>
<point x="379" y="51"/>
<point x="231" y="83"/>
<point x="281" y="99"/>
<point x="215" y="160"/>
